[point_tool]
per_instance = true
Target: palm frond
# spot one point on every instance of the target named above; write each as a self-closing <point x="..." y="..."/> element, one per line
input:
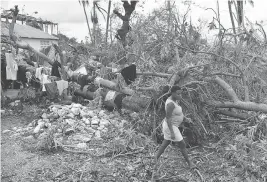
<point x="84" y="2"/>
<point x="100" y="9"/>
<point x="251" y="2"/>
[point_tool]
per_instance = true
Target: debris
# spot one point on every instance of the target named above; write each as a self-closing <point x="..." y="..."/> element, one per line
<point x="6" y="131"/>
<point x="81" y="145"/>
<point x="38" y="127"/>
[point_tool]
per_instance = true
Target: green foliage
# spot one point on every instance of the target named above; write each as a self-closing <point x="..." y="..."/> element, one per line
<point x="248" y="152"/>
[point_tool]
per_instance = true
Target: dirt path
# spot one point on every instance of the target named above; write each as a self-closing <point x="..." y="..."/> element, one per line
<point x="19" y="164"/>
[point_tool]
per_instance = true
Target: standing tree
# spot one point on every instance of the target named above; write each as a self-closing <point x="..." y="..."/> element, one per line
<point x="94" y="19"/>
<point x="109" y="6"/>
<point x="86" y="3"/>
<point x="125" y="28"/>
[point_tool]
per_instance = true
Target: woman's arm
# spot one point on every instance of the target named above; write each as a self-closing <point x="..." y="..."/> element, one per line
<point x="169" y="110"/>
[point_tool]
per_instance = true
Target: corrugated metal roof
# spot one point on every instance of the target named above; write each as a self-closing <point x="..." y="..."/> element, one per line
<point x="26" y="31"/>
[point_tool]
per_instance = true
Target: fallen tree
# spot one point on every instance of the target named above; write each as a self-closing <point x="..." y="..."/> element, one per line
<point x="17" y="43"/>
<point x="235" y="101"/>
<point x="197" y="101"/>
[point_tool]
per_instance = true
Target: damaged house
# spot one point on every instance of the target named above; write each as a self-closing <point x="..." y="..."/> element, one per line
<point x="36" y="38"/>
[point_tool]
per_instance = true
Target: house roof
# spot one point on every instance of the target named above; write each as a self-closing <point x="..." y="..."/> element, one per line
<point x="22" y="17"/>
<point x="25" y="31"/>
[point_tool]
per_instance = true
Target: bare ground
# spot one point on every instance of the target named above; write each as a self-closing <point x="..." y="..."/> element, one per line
<point x="21" y="161"/>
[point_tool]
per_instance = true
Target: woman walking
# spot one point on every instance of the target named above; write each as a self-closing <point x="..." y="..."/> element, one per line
<point x="174" y="117"/>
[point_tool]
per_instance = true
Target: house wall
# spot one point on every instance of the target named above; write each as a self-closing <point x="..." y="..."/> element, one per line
<point x="38" y="44"/>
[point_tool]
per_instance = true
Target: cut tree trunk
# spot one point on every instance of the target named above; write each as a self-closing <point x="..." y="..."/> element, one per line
<point x="133" y="103"/>
<point x="87" y="95"/>
<point x="136" y="103"/>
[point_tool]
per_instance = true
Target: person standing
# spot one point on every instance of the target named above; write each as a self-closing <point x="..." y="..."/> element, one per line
<point x="174" y="117"/>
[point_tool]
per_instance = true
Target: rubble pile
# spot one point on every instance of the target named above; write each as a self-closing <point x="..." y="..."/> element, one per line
<point x="71" y="125"/>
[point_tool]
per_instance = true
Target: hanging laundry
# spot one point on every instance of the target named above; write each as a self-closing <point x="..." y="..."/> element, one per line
<point x="28" y="76"/>
<point x="44" y="80"/>
<point x="62" y="85"/>
<point x="55" y="71"/>
<point x="81" y="70"/>
<point x="38" y="73"/>
<point x="11" y="67"/>
<point x="51" y="90"/>
<point x="129" y="74"/>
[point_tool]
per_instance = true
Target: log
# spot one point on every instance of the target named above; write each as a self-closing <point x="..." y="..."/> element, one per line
<point x="236" y="102"/>
<point x="113" y="86"/>
<point x="242" y="116"/>
<point x="134" y="103"/>
<point x="87" y="95"/>
<point x="164" y="75"/>
<point x="248" y="106"/>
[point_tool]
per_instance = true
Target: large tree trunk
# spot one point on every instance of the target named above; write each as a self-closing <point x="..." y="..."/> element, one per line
<point x="133" y="103"/>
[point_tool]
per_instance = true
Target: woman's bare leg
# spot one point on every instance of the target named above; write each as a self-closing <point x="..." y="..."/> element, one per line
<point x="162" y="148"/>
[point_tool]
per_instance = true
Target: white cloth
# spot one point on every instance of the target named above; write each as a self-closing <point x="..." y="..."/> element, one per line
<point x="38" y="73"/>
<point x="114" y="70"/>
<point x="167" y="133"/>
<point x="11" y="67"/>
<point x="81" y="70"/>
<point x="28" y="76"/>
<point x="44" y="80"/>
<point x="62" y="85"/>
<point x="110" y="95"/>
<point x="97" y="80"/>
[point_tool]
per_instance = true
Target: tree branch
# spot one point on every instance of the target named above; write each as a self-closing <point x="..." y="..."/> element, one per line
<point x="232" y="114"/>
<point x="229" y="90"/>
<point x="249" y="106"/>
<point x="226" y="74"/>
<point x="20" y="44"/>
<point x="210" y="53"/>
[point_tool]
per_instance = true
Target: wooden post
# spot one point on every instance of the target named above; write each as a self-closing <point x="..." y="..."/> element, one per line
<point x="52" y="28"/>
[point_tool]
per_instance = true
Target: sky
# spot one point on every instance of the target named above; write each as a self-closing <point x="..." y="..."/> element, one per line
<point x="70" y="16"/>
